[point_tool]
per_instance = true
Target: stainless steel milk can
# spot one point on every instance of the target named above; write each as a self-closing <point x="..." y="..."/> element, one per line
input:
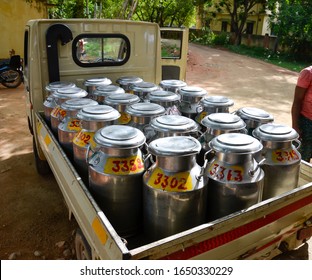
<point x="282" y="159"/>
<point x="142" y="114"/>
<point x="172" y="85"/>
<point x="168" y="99"/>
<point x="235" y="179"/>
<point x="190" y="98"/>
<point x="142" y="89"/>
<point x="254" y="117"/>
<point x="174" y="125"/>
<point x="102" y="92"/>
<point x="92" y="84"/>
<point x="174" y="194"/>
<point x="115" y="176"/>
<point x="216" y="124"/>
<point x="50" y="101"/>
<point x="126" y="81"/>
<point x="92" y="118"/>
<point x="60" y="96"/>
<point x="120" y="101"/>
<point x="70" y="125"/>
<point x="213" y="104"/>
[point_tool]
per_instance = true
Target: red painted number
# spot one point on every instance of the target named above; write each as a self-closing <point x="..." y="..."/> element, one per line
<point x="170" y="181"/>
<point x="220" y="172"/>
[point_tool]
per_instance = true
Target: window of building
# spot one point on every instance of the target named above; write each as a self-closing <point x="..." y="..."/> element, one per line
<point x="224" y="26"/>
<point x="249" y="29"/>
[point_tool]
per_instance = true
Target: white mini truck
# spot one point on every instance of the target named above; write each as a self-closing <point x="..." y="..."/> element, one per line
<point x="56" y="50"/>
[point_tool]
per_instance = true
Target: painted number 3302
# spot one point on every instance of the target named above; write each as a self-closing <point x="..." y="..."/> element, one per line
<point x="170" y="181"/>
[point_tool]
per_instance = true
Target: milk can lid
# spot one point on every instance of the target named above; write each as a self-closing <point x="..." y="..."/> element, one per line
<point x="100" y="81"/>
<point x="59" y="84"/>
<point x="192" y="91"/>
<point x="163" y="95"/>
<point x="107" y="90"/>
<point x="125" y="80"/>
<point x="174" y="123"/>
<point x="121" y="99"/>
<point x="175" y="146"/>
<point x="236" y="143"/>
<point x="145" y="109"/>
<point x="77" y="103"/>
<point x="98" y="113"/>
<point x="255" y="114"/>
<point x="68" y="93"/>
<point x="223" y="121"/>
<point x="119" y="136"/>
<point x="275" y="132"/>
<point x="143" y="87"/>
<point x="172" y="83"/>
<point x="216" y="101"/>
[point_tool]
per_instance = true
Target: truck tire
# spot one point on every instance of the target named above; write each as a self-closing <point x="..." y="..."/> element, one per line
<point x="82" y="247"/>
<point x="42" y="166"/>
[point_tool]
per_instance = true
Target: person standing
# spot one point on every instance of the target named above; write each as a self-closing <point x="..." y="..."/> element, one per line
<point x="301" y="112"/>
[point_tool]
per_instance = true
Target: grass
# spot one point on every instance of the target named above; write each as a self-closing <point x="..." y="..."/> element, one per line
<point x="281" y="59"/>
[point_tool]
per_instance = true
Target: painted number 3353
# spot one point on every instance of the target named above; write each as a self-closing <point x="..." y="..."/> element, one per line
<point x="127" y="165"/>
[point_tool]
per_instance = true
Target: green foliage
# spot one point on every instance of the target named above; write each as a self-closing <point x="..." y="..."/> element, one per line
<point x="291" y="21"/>
<point x="221" y="39"/>
<point x="165" y="12"/>
<point x="207" y="37"/>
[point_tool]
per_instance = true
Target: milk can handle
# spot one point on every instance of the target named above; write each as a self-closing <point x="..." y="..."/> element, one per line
<point x="258" y="164"/>
<point x="205" y="163"/>
<point x="199" y="109"/>
<point x="87" y="154"/>
<point x="298" y="142"/>
<point x="147" y="157"/>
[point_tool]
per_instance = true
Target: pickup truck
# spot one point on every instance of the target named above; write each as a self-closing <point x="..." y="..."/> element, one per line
<point x="52" y="53"/>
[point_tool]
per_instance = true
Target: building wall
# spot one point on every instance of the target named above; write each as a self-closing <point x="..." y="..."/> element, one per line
<point x="260" y="26"/>
<point x="14" y="14"/>
<point x="258" y="17"/>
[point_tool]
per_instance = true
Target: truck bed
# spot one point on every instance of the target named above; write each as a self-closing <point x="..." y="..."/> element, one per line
<point x="253" y="233"/>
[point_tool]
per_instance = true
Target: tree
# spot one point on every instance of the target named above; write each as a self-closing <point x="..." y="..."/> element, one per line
<point x="239" y="11"/>
<point x="291" y="21"/>
<point x="165" y="12"/>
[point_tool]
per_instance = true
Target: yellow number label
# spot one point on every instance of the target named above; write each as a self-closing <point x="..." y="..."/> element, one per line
<point x="124" y="118"/>
<point x="124" y="166"/>
<point x="280" y="156"/>
<point x="57" y="110"/>
<point x="179" y="182"/>
<point x="201" y="116"/>
<point x="73" y="125"/>
<point x="230" y="174"/>
<point x="83" y="138"/>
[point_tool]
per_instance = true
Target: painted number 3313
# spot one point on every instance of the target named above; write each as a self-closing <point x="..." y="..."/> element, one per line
<point x="226" y="174"/>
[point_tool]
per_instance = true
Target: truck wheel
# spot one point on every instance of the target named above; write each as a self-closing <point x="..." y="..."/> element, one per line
<point x="42" y="166"/>
<point x="82" y="247"/>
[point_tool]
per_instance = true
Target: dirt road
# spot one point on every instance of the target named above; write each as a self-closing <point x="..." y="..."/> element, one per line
<point x="33" y="217"/>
